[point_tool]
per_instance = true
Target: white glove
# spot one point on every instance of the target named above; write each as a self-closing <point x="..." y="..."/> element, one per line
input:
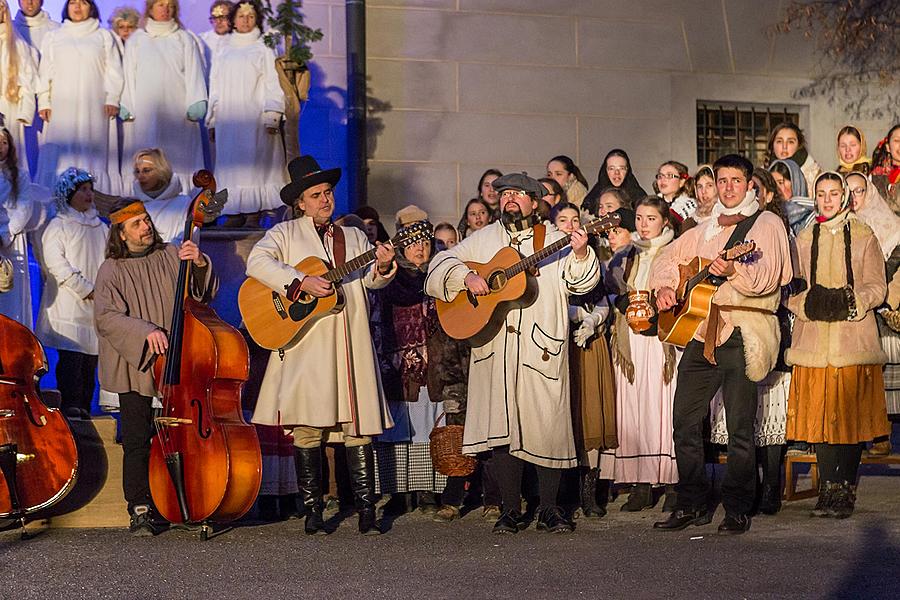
<point x="587" y="329"/>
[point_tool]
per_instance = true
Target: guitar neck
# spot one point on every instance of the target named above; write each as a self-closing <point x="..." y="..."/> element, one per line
<point x="533" y="260"/>
<point x="363" y="260"/>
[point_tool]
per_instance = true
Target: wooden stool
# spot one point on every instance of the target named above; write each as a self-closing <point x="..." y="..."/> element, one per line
<point x="790" y="483"/>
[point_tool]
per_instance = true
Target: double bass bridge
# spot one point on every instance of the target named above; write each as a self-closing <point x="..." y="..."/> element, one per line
<point x="173" y="421"/>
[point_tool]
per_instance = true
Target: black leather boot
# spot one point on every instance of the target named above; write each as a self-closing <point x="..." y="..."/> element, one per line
<point x="589" y="505"/>
<point x="361" y="464"/>
<point x="309" y="480"/>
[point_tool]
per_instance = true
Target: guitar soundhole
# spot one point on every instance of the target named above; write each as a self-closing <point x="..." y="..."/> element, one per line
<point x="306" y="298"/>
<point x="497" y="281"/>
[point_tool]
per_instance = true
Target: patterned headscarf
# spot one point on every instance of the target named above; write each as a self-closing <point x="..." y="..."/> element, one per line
<point x="67" y="183"/>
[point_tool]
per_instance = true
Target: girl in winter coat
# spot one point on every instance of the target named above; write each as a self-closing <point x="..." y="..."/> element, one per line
<point x="837" y="389"/>
<point x="787" y="142"/>
<point x="675" y="185"/>
<point x="644" y="367"/>
<point x="73" y="246"/>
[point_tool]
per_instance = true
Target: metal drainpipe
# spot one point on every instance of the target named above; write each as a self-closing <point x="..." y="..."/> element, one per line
<point x="357" y="169"/>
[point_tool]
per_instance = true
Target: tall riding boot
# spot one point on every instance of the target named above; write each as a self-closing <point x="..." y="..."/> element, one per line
<point x="309" y="480"/>
<point x="589" y="504"/>
<point x="361" y="464"/>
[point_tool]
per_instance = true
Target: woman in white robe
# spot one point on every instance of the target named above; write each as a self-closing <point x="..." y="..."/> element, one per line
<point x="644" y="367"/>
<point x="21" y="210"/>
<point x="73" y="247"/>
<point x="18" y="79"/>
<point x="79" y="92"/>
<point x="246" y="105"/>
<point x="165" y="91"/>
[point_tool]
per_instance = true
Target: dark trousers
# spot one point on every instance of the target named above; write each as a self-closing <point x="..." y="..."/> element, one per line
<point x="136" y="418"/>
<point x="76" y="378"/>
<point x="839" y="462"/>
<point x="509" y="469"/>
<point x="698" y="381"/>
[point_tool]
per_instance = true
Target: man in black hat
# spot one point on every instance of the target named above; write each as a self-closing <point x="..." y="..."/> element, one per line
<point x="326" y="388"/>
<point x="518" y="393"/>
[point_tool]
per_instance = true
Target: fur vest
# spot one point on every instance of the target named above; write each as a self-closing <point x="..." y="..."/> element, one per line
<point x="854" y="341"/>
<point x="758" y="324"/>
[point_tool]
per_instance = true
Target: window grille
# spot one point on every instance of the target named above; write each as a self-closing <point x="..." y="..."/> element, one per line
<point x="737" y="128"/>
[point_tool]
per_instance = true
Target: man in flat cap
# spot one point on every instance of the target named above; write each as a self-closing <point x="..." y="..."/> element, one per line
<point x="327" y="387"/>
<point x="518" y="395"/>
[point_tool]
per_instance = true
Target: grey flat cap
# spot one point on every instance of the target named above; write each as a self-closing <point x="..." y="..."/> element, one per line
<point x="520" y="181"/>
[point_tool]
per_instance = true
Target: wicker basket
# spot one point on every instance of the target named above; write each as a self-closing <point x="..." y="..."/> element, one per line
<point x="446" y="451"/>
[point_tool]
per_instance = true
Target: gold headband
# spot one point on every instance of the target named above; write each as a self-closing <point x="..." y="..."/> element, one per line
<point x="135" y="209"/>
<point x="219" y="11"/>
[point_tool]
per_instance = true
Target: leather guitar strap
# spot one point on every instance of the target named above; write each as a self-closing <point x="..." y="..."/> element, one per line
<point x="713" y="321"/>
<point x="340" y="246"/>
<point x="540" y="233"/>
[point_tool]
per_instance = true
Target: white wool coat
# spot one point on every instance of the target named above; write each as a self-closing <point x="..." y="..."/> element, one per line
<point x="80" y="72"/>
<point x="519" y="381"/>
<point x="72" y="249"/>
<point x="244" y="99"/>
<point x="163" y="78"/>
<point x="331" y="376"/>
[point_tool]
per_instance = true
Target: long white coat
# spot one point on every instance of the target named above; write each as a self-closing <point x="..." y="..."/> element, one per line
<point x="331" y="376"/>
<point x="163" y="78"/>
<point x="244" y="98"/>
<point x="28" y="214"/>
<point x="519" y="381"/>
<point x="168" y="210"/>
<point x="20" y="112"/>
<point x="72" y="249"/>
<point x="80" y="72"/>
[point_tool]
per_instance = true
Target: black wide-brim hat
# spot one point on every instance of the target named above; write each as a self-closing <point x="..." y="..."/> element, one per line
<point x="305" y="172"/>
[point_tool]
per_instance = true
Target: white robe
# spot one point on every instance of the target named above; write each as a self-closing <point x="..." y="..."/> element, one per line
<point x="210" y="43"/>
<point x="331" y="376"/>
<point x="168" y="210"/>
<point x="519" y="382"/>
<point x="72" y="249"/>
<point x="80" y="72"/>
<point x="163" y="78"/>
<point x="20" y="112"/>
<point x="244" y="98"/>
<point x="28" y="214"/>
<point x="32" y="30"/>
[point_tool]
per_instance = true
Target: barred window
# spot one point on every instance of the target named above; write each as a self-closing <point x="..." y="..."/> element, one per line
<point x="725" y="128"/>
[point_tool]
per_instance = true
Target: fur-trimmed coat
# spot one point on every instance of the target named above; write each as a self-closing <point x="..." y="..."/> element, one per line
<point x="844" y="343"/>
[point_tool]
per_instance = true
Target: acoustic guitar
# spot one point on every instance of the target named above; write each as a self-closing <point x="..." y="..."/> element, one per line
<point x="478" y="319"/>
<point x="695" y="292"/>
<point x="276" y="323"/>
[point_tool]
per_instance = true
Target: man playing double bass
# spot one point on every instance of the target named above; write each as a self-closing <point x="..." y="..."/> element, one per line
<point x="133" y="298"/>
<point x="327" y="387"/>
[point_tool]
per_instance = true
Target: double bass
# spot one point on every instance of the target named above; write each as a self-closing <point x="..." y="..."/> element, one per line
<point x="205" y="462"/>
<point x="38" y="456"/>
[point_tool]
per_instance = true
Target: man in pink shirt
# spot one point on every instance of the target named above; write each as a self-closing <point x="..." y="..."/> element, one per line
<point x="734" y="348"/>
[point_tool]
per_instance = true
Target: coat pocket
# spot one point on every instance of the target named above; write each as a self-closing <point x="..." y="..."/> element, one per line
<point x="543" y="353"/>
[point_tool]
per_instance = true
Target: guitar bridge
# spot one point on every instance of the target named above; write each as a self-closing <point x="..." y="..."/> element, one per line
<point x="279" y="305"/>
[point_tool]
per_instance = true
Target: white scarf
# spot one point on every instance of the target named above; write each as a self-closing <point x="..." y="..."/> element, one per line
<point x="42" y="19"/>
<point x="748" y="207"/>
<point x="244" y="39"/>
<point x="665" y="236"/>
<point x="160" y="28"/>
<point x="81" y="28"/>
<point x="90" y="217"/>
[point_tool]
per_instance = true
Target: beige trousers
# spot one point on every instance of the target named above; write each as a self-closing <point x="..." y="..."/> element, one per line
<point x="312" y="437"/>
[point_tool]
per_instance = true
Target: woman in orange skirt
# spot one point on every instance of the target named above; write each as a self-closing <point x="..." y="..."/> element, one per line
<point x="837" y="390"/>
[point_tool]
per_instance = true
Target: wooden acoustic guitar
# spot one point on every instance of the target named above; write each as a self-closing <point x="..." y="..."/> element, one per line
<point x="695" y="292"/>
<point x="276" y="323"/>
<point x="508" y="275"/>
